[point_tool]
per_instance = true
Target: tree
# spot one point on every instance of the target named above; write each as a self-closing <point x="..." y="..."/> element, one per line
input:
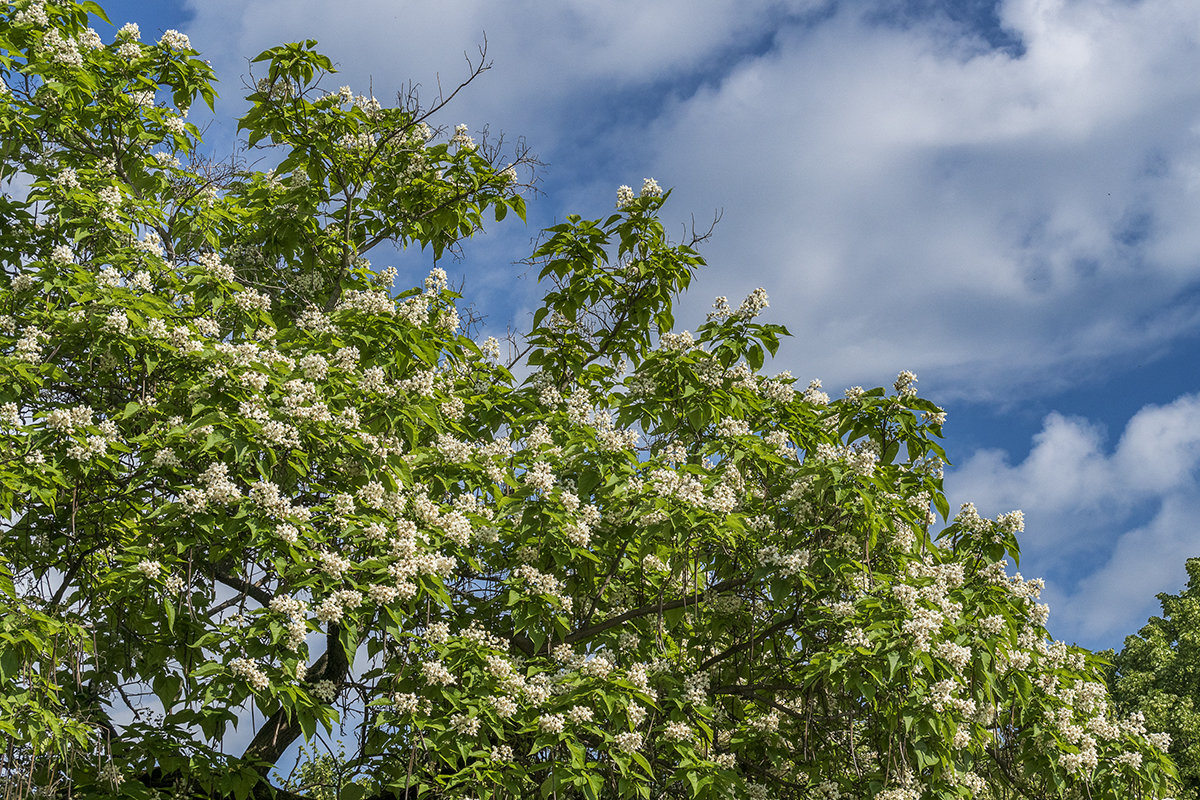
<point x="253" y="497"/>
<point x="1157" y="675"/>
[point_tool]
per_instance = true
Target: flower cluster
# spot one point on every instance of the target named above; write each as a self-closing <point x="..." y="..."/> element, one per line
<point x="61" y="50"/>
<point x="335" y="606"/>
<point x="151" y="569"/>
<point x="175" y="40"/>
<point x="251" y="672"/>
<point x="296" y="627"/>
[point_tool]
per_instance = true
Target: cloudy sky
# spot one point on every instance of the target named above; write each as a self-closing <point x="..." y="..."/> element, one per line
<point x="1001" y="196"/>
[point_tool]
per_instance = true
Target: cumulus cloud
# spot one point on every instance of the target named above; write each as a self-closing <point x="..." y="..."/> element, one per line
<point x="998" y="219"/>
<point x="1117" y="599"/>
<point x="552" y="58"/>
<point x="915" y="199"/>
<point x="1110" y="527"/>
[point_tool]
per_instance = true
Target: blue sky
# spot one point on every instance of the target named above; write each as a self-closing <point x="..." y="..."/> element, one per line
<point x="1001" y="196"/>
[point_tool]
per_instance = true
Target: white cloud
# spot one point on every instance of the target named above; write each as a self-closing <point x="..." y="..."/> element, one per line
<point x="1065" y="471"/>
<point x="910" y="198"/>
<point x="547" y="54"/>
<point x="992" y="221"/>
<point x="1117" y="599"/>
<point x="1111" y="528"/>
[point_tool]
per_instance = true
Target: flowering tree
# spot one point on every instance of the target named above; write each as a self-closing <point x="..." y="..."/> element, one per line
<point x="253" y="496"/>
<point x="1157" y="674"/>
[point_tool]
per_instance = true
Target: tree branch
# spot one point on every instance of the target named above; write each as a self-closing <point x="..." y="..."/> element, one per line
<point x="221" y="572"/>
<point x="281" y="728"/>
<point x="652" y="608"/>
<point x="739" y="647"/>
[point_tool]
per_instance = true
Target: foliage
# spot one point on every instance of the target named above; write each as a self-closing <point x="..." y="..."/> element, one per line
<point x="322" y="776"/>
<point x="1157" y="675"/>
<point x="254" y="497"/>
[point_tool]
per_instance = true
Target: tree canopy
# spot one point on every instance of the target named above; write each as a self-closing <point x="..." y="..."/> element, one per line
<point x="1157" y="675"/>
<point x="254" y="496"/>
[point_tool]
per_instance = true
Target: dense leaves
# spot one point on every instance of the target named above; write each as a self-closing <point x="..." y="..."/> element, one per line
<point x="1157" y="674"/>
<point x="255" y="497"/>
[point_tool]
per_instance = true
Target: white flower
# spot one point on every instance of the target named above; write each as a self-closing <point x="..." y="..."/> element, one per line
<point x="540" y="476"/>
<point x="1162" y="741"/>
<point x="32" y="14"/>
<point x="405" y="702"/>
<point x="332" y="564"/>
<point x="435" y="672"/>
<point x="551" y="723"/>
<point x="60" y="50"/>
<point x="814" y="395"/>
<point x="906" y="384"/>
<point x="624" y="196"/>
<point x="1012" y="522"/>
<point x="10" y="414"/>
<point x="116" y="322"/>
<point x="505" y="706"/>
<point x="163" y="160"/>
<point x="315" y="366"/>
<point x="29" y="346"/>
<point x="465" y="724"/>
<point x="490" y="348"/>
<point x="245" y="668"/>
<point x="462" y="139"/>
<point x="61" y="254"/>
<point x="729" y="427"/>
<point x="580" y="714"/>
<point x="175" y="40"/>
<point x="211" y="264"/>
<point x="438" y="633"/>
<point x="957" y="655"/>
<point x="90" y="40"/>
<point x="679" y="731"/>
<point x="250" y="300"/>
<point x="650" y="188"/>
<point x="110" y="196"/>
<point x="754" y="303"/>
<point x="129" y="51"/>
<point x="66" y="179"/>
<point x="857" y="637"/>
<point x="628" y="742"/>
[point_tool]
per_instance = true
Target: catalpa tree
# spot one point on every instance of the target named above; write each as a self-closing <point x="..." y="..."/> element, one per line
<point x="254" y="497"/>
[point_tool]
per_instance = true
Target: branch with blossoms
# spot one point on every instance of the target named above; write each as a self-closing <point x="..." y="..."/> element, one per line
<point x="245" y="475"/>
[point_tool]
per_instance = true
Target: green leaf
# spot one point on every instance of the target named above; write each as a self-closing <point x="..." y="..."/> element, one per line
<point x="594" y="783"/>
<point x="308" y="723"/>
